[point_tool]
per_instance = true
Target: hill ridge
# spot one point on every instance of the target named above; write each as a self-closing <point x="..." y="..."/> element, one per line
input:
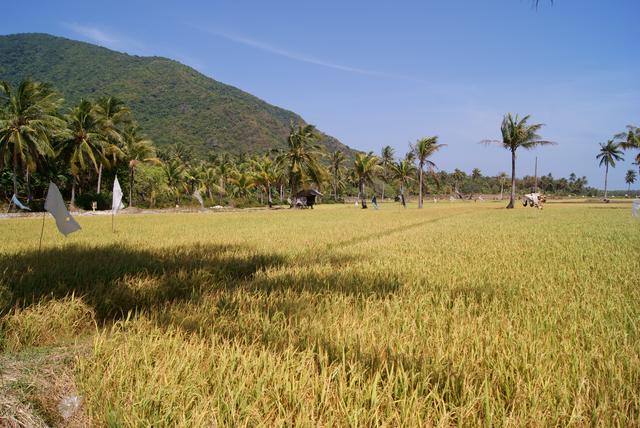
<point x="172" y="101"/>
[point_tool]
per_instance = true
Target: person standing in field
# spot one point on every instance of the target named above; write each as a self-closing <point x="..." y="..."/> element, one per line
<point x="374" y="202"/>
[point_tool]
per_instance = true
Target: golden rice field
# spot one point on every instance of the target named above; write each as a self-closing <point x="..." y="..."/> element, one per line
<point x="459" y="314"/>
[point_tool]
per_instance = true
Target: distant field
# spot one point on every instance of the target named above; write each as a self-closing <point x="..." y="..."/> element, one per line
<point x="460" y="314"/>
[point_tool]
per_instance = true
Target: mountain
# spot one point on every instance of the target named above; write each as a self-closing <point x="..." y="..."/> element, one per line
<point x="173" y="102"/>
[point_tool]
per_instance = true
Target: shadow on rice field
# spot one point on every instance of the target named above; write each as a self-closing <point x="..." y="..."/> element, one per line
<point x="117" y="279"/>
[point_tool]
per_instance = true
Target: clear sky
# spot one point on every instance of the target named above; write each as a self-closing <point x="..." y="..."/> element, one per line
<point x="373" y="73"/>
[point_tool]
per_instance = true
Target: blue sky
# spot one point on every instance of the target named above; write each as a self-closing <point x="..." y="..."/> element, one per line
<point x="377" y="73"/>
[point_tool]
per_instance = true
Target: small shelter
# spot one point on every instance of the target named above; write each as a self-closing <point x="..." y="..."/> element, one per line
<point x="306" y="198"/>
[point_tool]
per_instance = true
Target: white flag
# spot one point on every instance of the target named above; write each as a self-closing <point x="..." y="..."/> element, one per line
<point x="635" y="208"/>
<point x="19" y="204"/>
<point x="116" y="204"/>
<point x="55" y="205"/>
<point x="198" y="197"/>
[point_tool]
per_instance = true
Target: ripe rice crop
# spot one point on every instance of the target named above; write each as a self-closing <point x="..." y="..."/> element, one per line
<point x="459" y="314"/>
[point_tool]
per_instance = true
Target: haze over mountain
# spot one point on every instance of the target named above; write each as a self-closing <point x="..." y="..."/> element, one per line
<point x="173" y="102"/>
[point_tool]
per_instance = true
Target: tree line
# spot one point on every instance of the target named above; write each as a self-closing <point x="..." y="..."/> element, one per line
<point x="83" y="147"/>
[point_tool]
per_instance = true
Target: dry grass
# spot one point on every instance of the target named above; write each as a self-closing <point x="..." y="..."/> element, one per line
<point x="459" y="314"/>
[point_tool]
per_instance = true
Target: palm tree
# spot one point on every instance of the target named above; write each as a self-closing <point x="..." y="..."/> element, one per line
<point x="302" y="157"/>
<point x="424" y="149"/>
<point x="630" y="178"/>
<point x="136" y="150"/>
<point x="28" y="120"/>
<point x="502" y="176"/>
<point x="113" y="113"/>
<point x="386" y="160"/>
<point x="85" y="145"/>
<point x="174" y="172"/>
<point x="265" y="175"/>
<point x="608" y="155"/>
<point x="243" y="182"/>
<point x="403" y="171"/>
<point x="630" y="138"/>
<point x="366" y="167"/>
<point x="518" y="133"/>
<point x="336" y="170"/>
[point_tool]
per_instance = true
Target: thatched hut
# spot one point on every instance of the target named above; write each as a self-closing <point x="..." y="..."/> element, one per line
<point x="306" y="198"/>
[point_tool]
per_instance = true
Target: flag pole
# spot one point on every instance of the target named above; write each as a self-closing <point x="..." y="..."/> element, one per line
<point x="44" y="213"/>
<point x="113" y="230"/>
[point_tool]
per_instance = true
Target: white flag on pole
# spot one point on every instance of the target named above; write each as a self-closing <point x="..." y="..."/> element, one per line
<point x="55" y="205"/>
<point x="19" y="204"/>
<point x="635" y="208"/>
<point x="116" y="204"/>
<point x="198" y="197"/>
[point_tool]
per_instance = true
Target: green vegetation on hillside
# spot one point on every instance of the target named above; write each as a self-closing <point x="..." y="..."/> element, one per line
<point x="173" y="102"/>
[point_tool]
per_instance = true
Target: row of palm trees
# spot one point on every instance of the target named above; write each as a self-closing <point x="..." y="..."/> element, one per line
<point x="89" y="137"/>
<point x="612" y="152"/>
<point x="92" y="137"/>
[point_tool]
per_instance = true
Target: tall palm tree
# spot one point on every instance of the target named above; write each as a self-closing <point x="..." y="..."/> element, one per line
<point x="302" y="157"/>
<point x="136" y="150"/>
<point x="630" y="178"/>
<point x="502" y="177"/>
<point x="386" y="160"/>
<point x="609" y="154"/>
<point x="113" y="115"/>
<point x="336" y="171"/>
<point x="403" y="172"/>
<point x="366" y="167"/>
<point x="631" y="140"/>
<point x="517" y="133"/>
<point x="243" y="182"/>
<point x="174" y="173"/>
<point x="424" y="149"/>
<point x="265" y="175"/>
<point x="28" y="120"/>
<point x="85" y="143"/>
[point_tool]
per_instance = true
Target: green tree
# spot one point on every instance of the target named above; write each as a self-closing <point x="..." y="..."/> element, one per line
<point x="609" y="154"/>
<point x="265" y="175"/>
<point x="631" y="140"/>
<point x="403" y="172"/>
<point x="28" y="121"/>
<point x="630" y="178"/>
<point x="84" y="144"/>
<point x="366" y="167"/>
<point x="136" y="150"/>
<point x="174" y="172"/>
<point x="424" y="149"/>
<point x="517" y="133"/>
<point x="336" y="170"/>
<point x="113" y="114"/>
<point x="502" y="177"/>
<point x="386" y="161"/>
<point x="243" y="182"/>
<point x="302" y="157"/>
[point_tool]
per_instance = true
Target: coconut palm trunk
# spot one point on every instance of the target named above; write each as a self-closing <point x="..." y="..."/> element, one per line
<point x="606" y="175"/>
<point x="420" y="190"/>
<point x="131" y="181"/>
<point x="99" y="178"/>
<point x="363" y="196"/>
<point x="73" y="192"/>
<point x="15" y="173"/>
<point x="512" y="199"/>
<point x="28" y="184"/>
